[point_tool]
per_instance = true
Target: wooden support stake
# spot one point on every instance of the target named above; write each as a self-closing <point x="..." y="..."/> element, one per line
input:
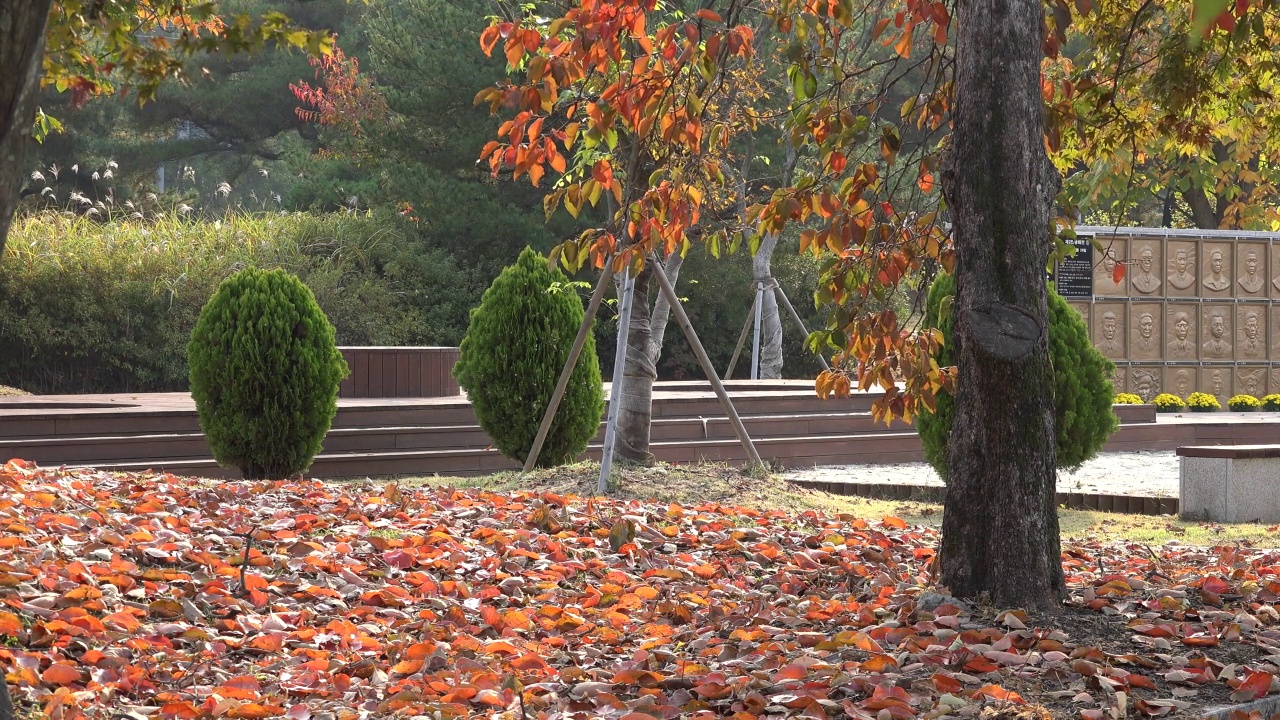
<point x="574" y="352"/>
<point x="742" y="340"/>
<point x="701" y="353"/>
<point x="796" y="316"/>
<point x="615" y="388"/>
<point x="755" y="344"/>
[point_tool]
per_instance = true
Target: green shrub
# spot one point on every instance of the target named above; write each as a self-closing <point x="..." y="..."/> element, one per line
<point x="1127" y="399"/>
<point x="512" y="355"/>
<point x="89" y="306"/>
<point x="1168" y="403"/>
<point x="1244" y="403"/>
<point x="1203" y="402"/>
<point x="1271" y="402"/>
<point x="265" y="373"/>
<point x="1082" y="385"/>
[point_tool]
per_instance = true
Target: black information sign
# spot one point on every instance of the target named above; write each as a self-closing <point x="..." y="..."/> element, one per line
<point x="1073" y="277"/>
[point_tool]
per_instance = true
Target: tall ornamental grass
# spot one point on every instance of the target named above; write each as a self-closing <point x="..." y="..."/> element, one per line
<point x="90" y="306"/>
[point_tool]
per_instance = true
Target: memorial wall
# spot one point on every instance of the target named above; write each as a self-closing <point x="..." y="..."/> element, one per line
<point x="1195" y="309"/>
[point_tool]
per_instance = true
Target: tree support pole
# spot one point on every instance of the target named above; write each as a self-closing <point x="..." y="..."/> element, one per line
<point x="777" y="289"/>
<point x="755" y="343"/>
<point x="742" y="340"/>
<point x="615" y="388"/>
<point x="700" y="352"/>
<point x="574" y="353"/>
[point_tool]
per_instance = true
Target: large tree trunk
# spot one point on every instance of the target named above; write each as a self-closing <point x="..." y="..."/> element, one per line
<point x="770" y="321"/>
<point x="22" y="24"/>
<point x="635" y="408"/>
<point x="662" y="311"/>
<point x="1000" y="528"/>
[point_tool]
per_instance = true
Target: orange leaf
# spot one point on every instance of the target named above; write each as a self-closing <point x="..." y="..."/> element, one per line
<point x="10" y="624"/>
<point x="709" y="15"/>
<point x="407" y="667"/>
<point x="254" y="711"/>
<point x="60" y="675"/>
<point x="903" y="46"/>
<point x="1117" y="274"/>
<point x="488" y="39"/>
<point x="995" y="692"/>
<point x="894" y="522"/>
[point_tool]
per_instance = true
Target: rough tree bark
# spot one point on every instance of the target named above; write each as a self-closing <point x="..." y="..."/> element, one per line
<point x="1000" y="528"/>
<point x="662" y="311"/>
<point x="22" y="25"/>
<point x="635" y="408"/>
<point x="770" y="320"/>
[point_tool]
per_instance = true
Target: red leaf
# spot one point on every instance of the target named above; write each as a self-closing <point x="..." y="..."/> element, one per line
<point x="1256" y="685"/>
<point x="60" y="675"/>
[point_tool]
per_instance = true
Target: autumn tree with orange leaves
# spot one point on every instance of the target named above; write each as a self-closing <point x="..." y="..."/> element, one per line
<point x="602" y="90"/>
<point x="103" y="48"/>
<point x="633" y="108"/>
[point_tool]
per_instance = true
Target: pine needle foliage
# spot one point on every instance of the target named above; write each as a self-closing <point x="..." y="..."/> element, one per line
<point x="264" y="373"/>
<point x="1082" y="386"/>
<point x="515" y="347"/>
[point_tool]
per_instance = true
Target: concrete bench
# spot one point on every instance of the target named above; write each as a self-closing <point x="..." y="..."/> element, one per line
<point x="1230" y="483"/>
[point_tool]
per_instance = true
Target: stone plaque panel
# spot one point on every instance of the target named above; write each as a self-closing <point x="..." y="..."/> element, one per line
<point x="1113" y="251"/>
<point x="1216" y="334"/>
<point x="1216" y="380"/>
<point x="1180" y="332"/>
<point x="1251" y="380"/>
<point x="1274" y="270"/>
<point x="1273" y="383"/>
<point x="1145" y="381"/>
<point x="1179" y="380"/>
<point x="1251" y="332"/>
<point x="1109" y="328"/>
<point x="1145" y="278"/>
<point x="1215" y="269"/>
<point x="1180" y="280"/>
<point x="1118" y="377"/>
<point x="1251" y="271"/>
<point x="1145" y="322"/>
<point x="1273" y="334"/>
<point x="1083" y="309"/>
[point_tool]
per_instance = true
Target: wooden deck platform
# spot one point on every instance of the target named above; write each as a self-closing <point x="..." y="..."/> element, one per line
<point x="439" y="435"/>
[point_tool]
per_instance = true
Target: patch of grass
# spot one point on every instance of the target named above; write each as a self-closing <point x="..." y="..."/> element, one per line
<point x="6" y="391"/>
<point x="722" y="484"/>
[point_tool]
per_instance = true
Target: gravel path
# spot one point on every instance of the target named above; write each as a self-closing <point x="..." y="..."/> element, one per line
<point x="1151" y="474"/>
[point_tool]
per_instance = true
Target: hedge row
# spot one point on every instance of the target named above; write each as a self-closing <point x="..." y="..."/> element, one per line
<point x="109" y="307"/>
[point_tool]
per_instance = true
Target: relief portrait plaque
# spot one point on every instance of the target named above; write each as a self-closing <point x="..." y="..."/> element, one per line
<point x="1274" y="270"/>
<point x="1118" y="377"/>
<point x="1215" y="270"/>
<point x="1144" y="381"/>
<point x="1145" y="322"/>
<point x="1181" y="323"/>
<point x="1251" y="270"/>
<point x="1083" y="309"/>
<point x="1215" y="332"/>
<point x="1251" y="331"/>
<point x="1181" y="269"/>
<point x="1104" y="283"/>
<point x="1251" y="380"/>
<point x="1216" y="380"/>
<point x="1273" y="383"/>
<point x="1109" y="329"/>
<point x="1180" y="381"/>
<point x="1273" y="337"/>
<point x="1145" y="268"/>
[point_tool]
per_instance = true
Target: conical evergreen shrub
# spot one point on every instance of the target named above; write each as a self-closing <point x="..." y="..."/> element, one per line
<point x="515" y="347"/>
<point x="1082" y="383"/>
<point x="264" y="373"/>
